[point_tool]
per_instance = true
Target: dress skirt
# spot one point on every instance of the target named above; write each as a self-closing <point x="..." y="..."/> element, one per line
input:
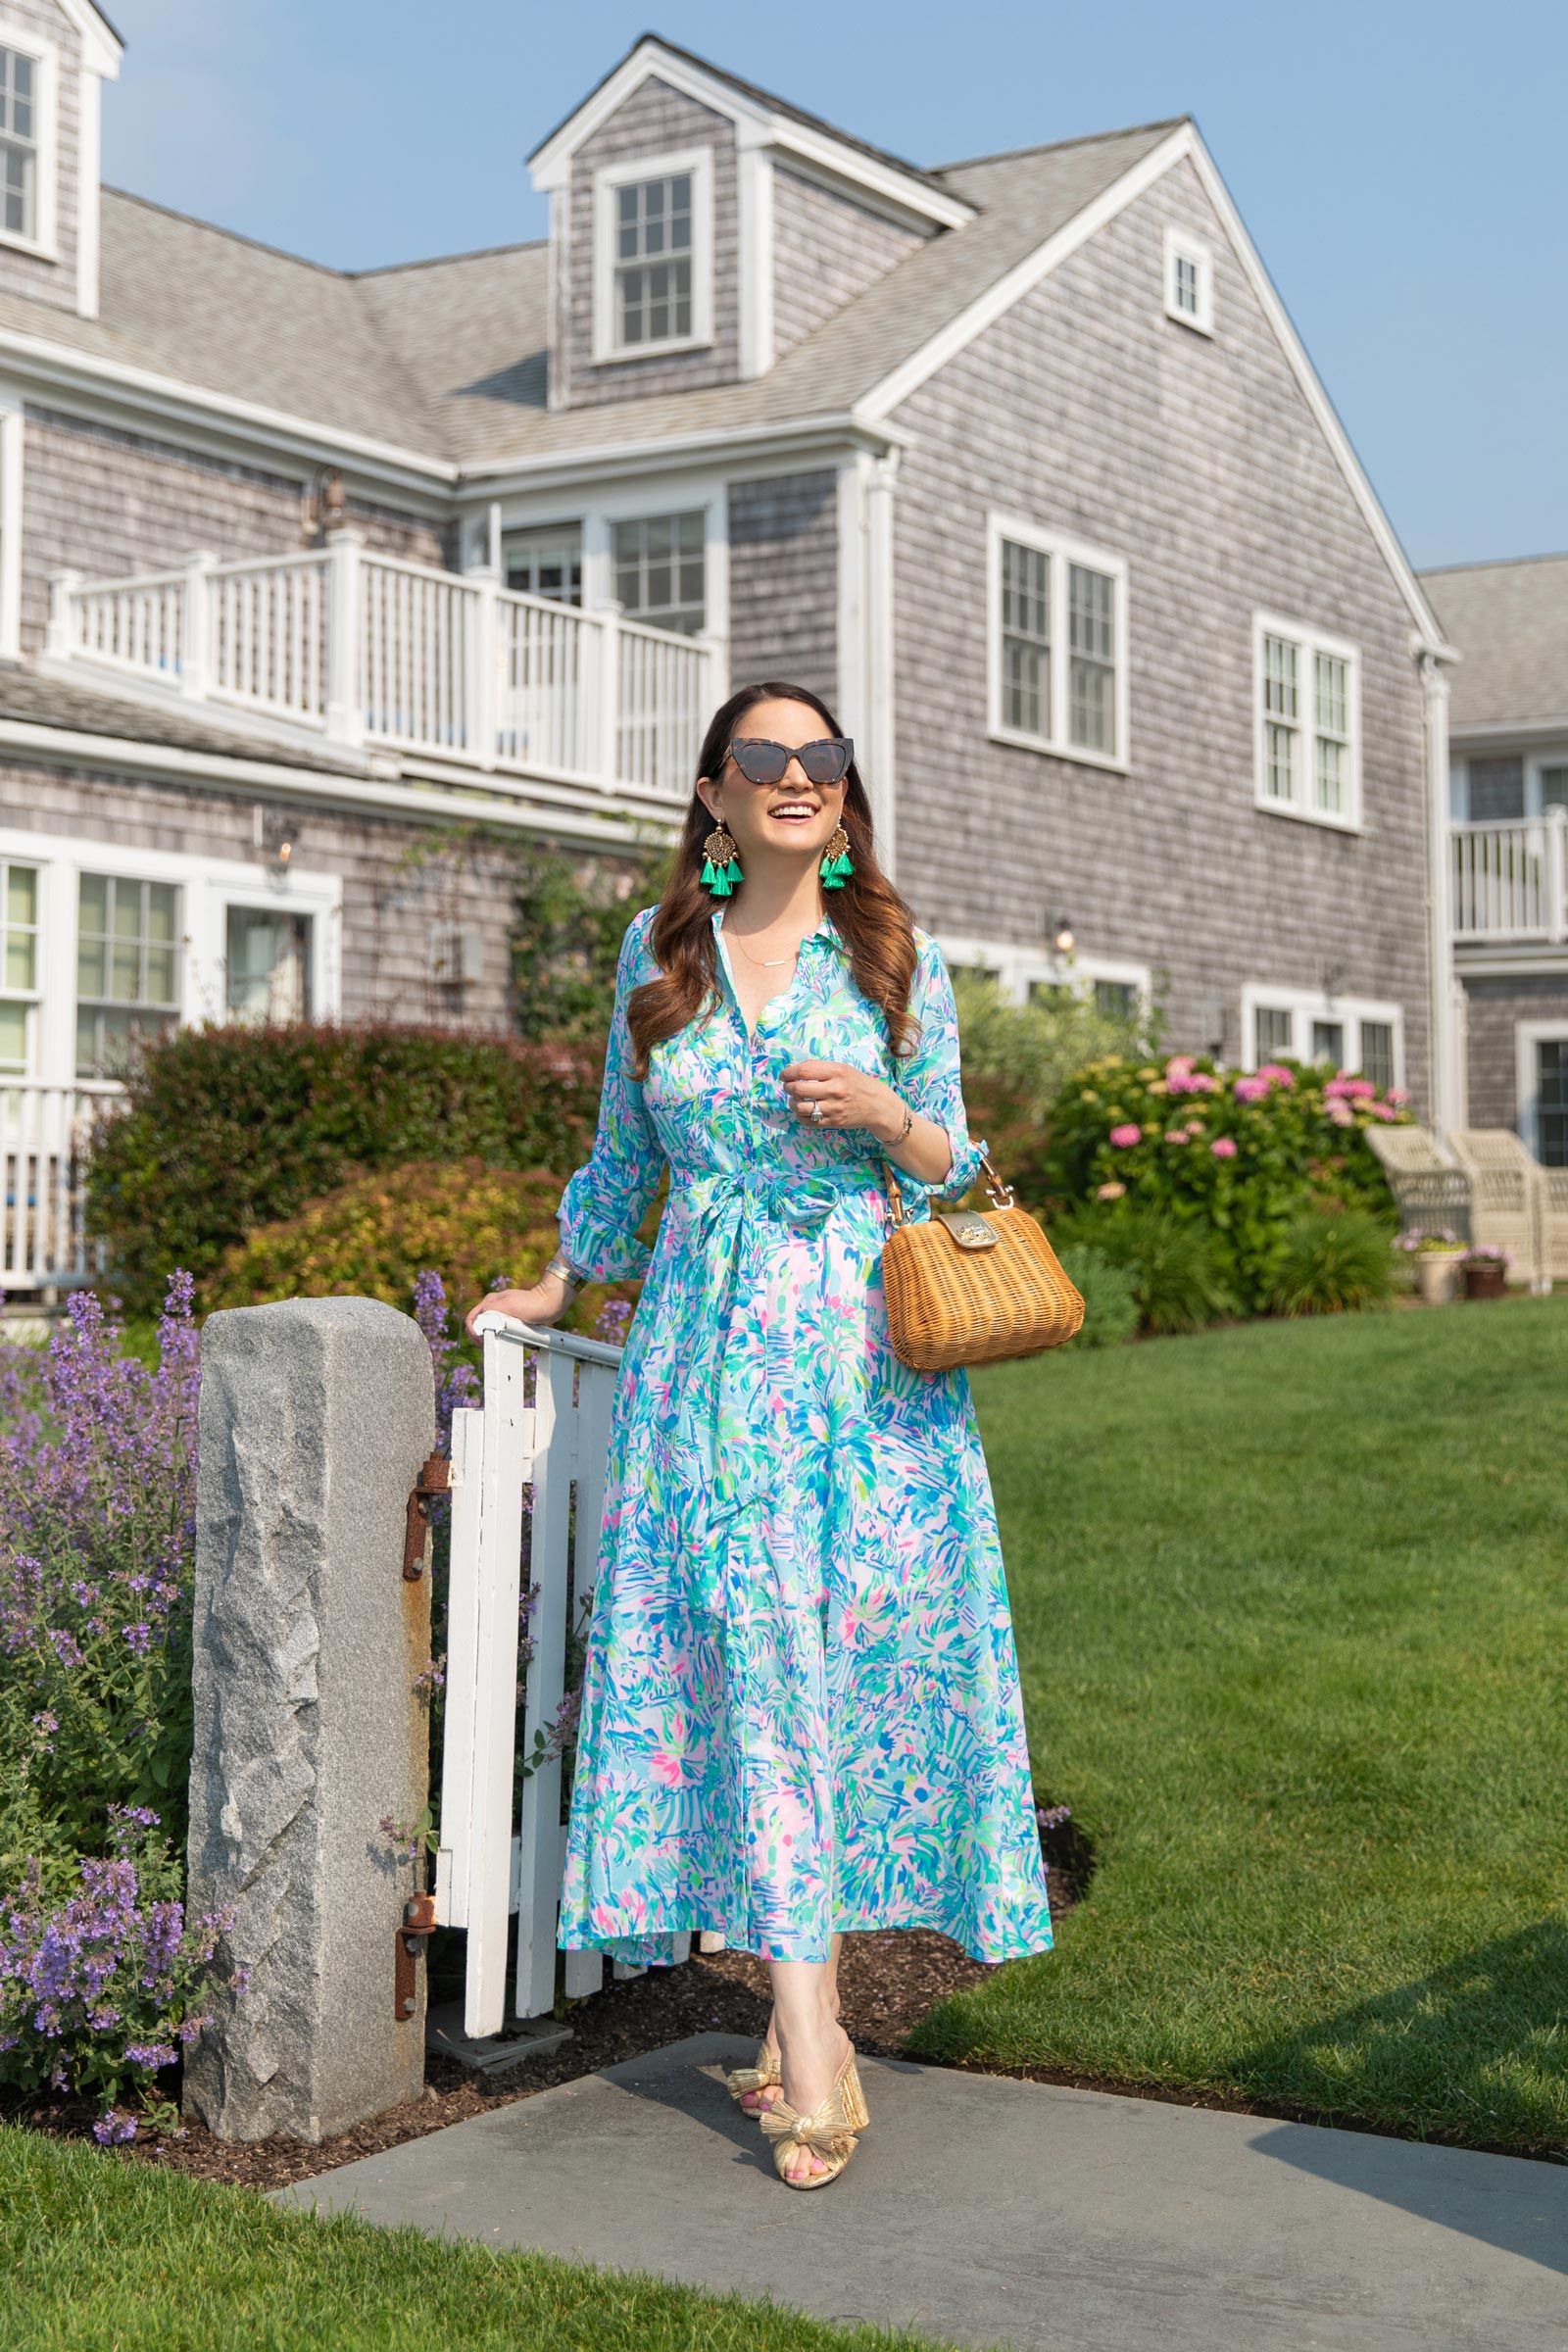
<point x="800" y="1708"/>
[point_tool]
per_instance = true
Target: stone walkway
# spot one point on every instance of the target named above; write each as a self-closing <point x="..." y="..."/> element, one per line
<point x="991" y="2213"/>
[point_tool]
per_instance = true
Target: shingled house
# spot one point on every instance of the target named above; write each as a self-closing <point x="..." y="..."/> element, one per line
<point x="1018" y="461"/>
<point x="1509" y="734"/>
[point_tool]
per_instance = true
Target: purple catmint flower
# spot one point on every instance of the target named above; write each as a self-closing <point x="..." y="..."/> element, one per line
<point x="111" y="2130"/>
<point x="152" y="2054"/>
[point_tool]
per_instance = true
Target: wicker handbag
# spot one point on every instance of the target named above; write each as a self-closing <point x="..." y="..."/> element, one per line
<point x="974" y="1286"/>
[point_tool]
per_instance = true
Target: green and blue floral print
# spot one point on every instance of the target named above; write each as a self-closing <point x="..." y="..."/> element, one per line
<point x="801" y="1707"/>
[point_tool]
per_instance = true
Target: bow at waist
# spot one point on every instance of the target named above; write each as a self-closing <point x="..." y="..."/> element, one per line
<point x="798" y="1196"/>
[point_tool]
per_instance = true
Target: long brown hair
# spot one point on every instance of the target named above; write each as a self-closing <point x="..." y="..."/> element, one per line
<point x="871" y="918"/>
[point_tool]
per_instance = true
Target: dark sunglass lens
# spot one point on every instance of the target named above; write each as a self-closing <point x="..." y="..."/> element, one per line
<point x="825" y="761"/>
<point x="760" y="762"/>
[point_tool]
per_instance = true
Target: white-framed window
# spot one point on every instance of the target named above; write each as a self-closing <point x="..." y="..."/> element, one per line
<point x="1057" y="644"/>
<point x="128" y="967"/>
<point x="268" y="963"/>
<point x="1505" y="789"/>
<point x="1541" y="1051"/>
<point x="21" y="913"/>
<point x="28" y="81"/>
<point x="1188" y="280"/>
<point x="545" y="560"/>
<point x="654" y="255"/>
<point x="1307" y="698"/>
<point x="1360" y="1036"/>
<point x="659" y="569"/>
<point x="1115" y="984"/>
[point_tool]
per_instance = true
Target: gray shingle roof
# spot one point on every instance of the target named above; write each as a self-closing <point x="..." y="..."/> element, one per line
<point x="49" y="702"/>
<point x="446" y="359"/>
<point x="1510" y="622"/>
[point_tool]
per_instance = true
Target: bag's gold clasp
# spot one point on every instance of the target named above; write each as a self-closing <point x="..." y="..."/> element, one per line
<point x="969" y="1230"/>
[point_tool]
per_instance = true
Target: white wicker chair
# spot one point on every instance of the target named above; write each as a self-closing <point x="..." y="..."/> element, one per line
<point x="1507" y="1198"/>
<point x="1430" y="1194"/>
<point x="1554" y="1223"/>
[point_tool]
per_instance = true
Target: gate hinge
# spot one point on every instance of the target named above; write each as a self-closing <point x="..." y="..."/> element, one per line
<point x="434" y="1479"/>
<point x="413" y="1937"/>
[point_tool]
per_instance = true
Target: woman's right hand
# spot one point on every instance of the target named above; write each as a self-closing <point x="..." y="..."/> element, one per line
<point x="546" y="1302"/>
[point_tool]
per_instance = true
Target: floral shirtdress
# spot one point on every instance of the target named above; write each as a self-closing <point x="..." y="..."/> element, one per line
<point x="801" y="1707"/>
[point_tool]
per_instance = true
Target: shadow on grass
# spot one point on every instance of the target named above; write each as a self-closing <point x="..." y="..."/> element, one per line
<point x="1485" y="2036"/>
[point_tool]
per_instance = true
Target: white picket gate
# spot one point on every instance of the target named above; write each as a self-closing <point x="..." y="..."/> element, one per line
<point x="555" y="1442"/>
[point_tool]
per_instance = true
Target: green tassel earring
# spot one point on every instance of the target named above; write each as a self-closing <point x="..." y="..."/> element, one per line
<point x="837" y="864"/>
<point x="722" y="862"/>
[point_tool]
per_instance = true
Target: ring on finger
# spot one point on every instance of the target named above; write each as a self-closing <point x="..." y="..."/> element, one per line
<point x="816" y="1110"/>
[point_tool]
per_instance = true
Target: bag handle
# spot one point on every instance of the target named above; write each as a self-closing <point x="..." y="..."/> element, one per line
<point x="1001" y="1196"/>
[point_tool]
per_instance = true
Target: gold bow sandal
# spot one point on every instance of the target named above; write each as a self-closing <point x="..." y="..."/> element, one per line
<point x="831" y="2131"/>
<point x="750" y="2082"/>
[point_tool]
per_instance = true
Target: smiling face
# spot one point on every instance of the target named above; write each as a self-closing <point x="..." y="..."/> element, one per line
<point x="793" y="818"/>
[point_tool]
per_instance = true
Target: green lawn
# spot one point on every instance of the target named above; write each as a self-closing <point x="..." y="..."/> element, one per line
<point x="1292" y="1603"/>
<point x="104" y="2255"/>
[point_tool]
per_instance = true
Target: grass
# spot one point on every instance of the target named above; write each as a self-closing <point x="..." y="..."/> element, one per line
<point x="104" y="2255"/>
<point x="1292" y="1605"/>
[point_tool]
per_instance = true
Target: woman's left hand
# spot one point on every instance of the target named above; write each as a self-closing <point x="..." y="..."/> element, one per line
<point x="849" y="1097"/>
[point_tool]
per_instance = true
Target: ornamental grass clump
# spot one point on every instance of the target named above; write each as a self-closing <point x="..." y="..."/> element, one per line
<point x="1241" y="1153"/>
<point x="1335" y="1265"/>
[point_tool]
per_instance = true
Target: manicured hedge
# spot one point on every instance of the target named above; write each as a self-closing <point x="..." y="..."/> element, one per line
<point x="225" y="1129"/>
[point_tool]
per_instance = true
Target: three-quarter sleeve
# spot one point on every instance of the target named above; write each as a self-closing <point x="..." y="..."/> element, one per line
<point x="607" y="1200"/>
<point x="929" y="1078"/>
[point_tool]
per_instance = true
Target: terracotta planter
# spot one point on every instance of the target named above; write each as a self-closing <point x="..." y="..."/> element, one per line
<point x="1485" y="1280"/>
<point x="1436" y="1274"/>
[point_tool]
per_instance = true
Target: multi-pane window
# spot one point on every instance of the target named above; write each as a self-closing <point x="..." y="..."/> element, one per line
<point x="1188" y="280"/>
<point x="1496" y="791"/>
<point x="1116" y="999"/>
<point x="654" y="261"/>
<point x="19" y="144"/>
<point x="1377" y="1052"/>
<point x="1553" y="788"/>
<point x="1058" y="657"/>
<point x="660" y="570"/>
<point x="1551" y="1102"/>
<point x="544" y="562"/>
<point x="267" y="959"/>
<point x="19" y="963"/>
<point x="1025" y="638"/>
<point x="1307" y="726"/>
<point x="128" y="968"/>
<point x="1328" y="1042"/>
<point x="1273" y="1032"/>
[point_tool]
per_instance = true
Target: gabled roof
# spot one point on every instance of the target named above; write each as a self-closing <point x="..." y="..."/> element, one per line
<point x="1510" y="622"/>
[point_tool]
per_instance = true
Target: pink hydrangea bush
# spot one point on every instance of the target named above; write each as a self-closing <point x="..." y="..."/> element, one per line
<point x="1244" y="1152"/>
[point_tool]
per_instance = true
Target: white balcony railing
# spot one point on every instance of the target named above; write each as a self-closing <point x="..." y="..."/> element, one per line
<point x="1511" y="881"/>
<point x="364" y="649"/>
<point x="45" y="1132"/>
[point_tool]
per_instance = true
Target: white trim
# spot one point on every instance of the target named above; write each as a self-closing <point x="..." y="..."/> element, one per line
<point x="209" y="886"/>
<point x="1060" y="552"/>
<point x="754" y="199"/>
<point x="12" y="474"/>
<point x="1506" y="731"/>
<point x="1307" y="1006"/>
<point x="89" y="174"/>
<point x="101" y="45"/>
<point x="632" y="172"/>
<point x="851" y="618"/>
<point x="550" y="161"/>
<point x="1183" y="142"/>
<point x="1527" y="1036"/>
<point x="1182" y="246"/>
<point x="44" y="243"/>
<point x="1308" y="643"/>
<point x="1446" y="1049"/>
<point x="1017" y="968"/>
<point x="771" y="443"/>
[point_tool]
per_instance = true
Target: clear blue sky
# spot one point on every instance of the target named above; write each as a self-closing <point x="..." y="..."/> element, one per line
<point x="1399" y="163"/>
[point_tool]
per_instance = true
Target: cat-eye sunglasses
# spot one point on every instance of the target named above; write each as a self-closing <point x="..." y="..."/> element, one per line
<point x="824" y="761"/>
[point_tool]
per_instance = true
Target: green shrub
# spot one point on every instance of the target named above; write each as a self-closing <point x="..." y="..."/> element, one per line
<point x="1175" y="1265"/>
<point x="1016" y="1061"/>
<point x="224" y="1129"/>
<point x="373" y="1237"/>
<point x="1111" y="1304"/>
<point x="1333" y="1264"/>
<point x="1240" y="1154"/>
<point x="569" y="918"/>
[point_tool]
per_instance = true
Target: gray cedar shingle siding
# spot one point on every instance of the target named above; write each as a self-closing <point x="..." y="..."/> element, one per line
<point x="1493" y="1010"/>
<point x="111" y="504"/>
<point x="783" y="580"/>
<point x="1085" y="408"/>
<point x="826" y="250"/>
<point x="656" y="119"/>
<point x="52" y="282"/>
<point x="391" y="896"/>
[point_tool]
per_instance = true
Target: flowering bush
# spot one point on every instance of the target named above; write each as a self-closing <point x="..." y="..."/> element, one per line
<point x="101" y="1990"/>
<point x="97" y="1512"/>
<point x="1245" y="1153"/>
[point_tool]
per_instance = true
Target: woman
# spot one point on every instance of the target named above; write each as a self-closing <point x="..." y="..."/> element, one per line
<point x="800" y="1710"/>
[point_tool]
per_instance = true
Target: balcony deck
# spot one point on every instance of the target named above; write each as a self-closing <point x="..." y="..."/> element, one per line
<point x="1510" y="883"/>
<point x="364" y="651"/>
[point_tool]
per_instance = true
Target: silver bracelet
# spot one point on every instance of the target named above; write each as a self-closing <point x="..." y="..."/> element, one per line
<point x="562" y="1265"/>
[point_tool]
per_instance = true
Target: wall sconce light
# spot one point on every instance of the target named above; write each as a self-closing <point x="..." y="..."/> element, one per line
<point x="1063" y="939"/>
<point x="277" y="831"/>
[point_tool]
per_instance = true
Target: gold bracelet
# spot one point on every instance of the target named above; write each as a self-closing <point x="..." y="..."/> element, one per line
<point x="908" y="1122"/>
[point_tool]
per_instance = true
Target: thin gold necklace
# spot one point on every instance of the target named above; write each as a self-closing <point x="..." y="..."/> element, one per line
<point x="765" y="963"/>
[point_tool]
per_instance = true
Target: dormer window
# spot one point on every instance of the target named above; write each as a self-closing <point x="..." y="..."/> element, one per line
<point x="1188" y="281"/>
<point x="654" y="256"/>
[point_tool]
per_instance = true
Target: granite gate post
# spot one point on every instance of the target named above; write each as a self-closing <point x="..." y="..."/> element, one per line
<point x="316" y="1415"/>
